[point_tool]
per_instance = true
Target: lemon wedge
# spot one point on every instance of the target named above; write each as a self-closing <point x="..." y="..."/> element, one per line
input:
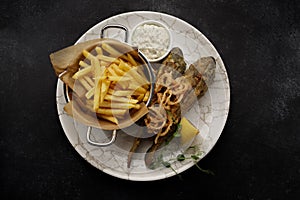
<point x="188" y="131"/>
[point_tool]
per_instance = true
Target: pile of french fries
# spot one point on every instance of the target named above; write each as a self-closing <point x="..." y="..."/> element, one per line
<point x="114" y="82"/>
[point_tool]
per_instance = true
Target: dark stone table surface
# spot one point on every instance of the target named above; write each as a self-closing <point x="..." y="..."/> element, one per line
<point x="258" y="153"/>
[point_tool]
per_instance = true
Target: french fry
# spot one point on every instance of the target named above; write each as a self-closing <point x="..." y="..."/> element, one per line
<point x="85" y="84"/>
<point x="104" y="63"/>
<point x="112" y="112"/>
<point x="133" y="80"/>
<point x="83" y="64"/>
<point x="123" y="66"/>
<point x="82" y="72"/>
<point x="128" y="64"/>
<point x="97" y="95"/>
<point x="117" y="69"/>
<point x="146" y="86"/>
<point x="120" y="93"/>
<point x="140" y="97"/>
<point x="137" y="93"/>
<point x="90" y="93"/>
<point x="104" y="88"/>
<point x="118" y="78"/>
<point x="108" y="59"/>
<point x="111" y="71"/>
<point x="98" y="72"/>
<point x="146" y="97"/>
<point x="133" y="72"/>
<point x="131" y="60"/>
<point x="99" y="51"/>
<point x="110" y="118"/>
<point x="138" y="89"/>
<point x="122" y="86"/>
<point x="89" y="80"/>
<point x="110" y="97"/>
<point x="118" y="105"/>
<point x="88" y="55"/>
<point x="109" y="49"/>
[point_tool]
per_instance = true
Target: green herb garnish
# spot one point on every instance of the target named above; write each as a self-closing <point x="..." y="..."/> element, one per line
<point x="178" y="130"/>
<point x="166" y="164"/>
<point x="180" y="157"/>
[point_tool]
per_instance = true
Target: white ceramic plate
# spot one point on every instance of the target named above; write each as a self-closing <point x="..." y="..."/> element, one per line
<point x="208" y="115"/>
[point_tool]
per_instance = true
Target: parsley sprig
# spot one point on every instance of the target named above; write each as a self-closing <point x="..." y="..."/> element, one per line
<point x="195" y="156"/>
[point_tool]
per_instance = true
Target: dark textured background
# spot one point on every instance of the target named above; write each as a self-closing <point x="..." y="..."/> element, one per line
<point x="258" y="153"/>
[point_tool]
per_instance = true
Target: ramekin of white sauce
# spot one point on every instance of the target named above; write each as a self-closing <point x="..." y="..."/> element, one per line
<point x="153" y="39"/>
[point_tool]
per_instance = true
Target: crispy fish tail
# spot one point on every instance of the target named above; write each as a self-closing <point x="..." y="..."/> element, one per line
<point x="136" y="144"/>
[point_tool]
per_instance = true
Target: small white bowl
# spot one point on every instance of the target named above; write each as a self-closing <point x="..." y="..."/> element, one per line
<point x="152" y="38"/>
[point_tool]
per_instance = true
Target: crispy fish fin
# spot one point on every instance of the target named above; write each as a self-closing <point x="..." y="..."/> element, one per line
<point x="135" y="145"/>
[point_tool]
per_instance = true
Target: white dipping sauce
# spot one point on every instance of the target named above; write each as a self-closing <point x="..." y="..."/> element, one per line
<point x="153" y="40"/>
